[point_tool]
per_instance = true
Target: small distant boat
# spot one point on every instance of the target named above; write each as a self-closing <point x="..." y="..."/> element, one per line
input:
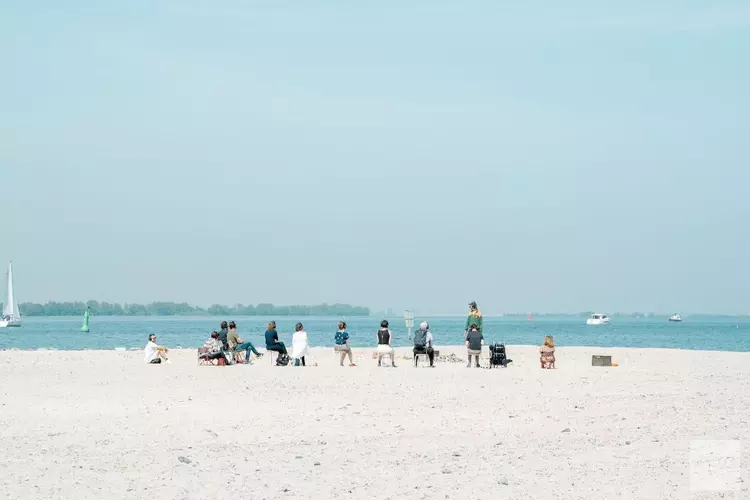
<point x="598" y="319"/>
<point x="11" y="314"/>
<point x="675" y="318"/>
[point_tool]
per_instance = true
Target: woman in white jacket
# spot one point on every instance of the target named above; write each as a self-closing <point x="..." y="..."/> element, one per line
<point x="300" y="344"/>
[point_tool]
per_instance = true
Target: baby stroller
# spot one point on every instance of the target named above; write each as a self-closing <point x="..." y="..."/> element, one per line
<point x="498" y="356"/>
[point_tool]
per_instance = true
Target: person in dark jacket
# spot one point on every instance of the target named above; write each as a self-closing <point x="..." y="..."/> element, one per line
<point x="272" y="339"/>
<point x="223" y="332"/>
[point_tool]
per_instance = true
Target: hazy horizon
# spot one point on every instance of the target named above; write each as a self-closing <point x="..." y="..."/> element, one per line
<point x="533" y="156"/>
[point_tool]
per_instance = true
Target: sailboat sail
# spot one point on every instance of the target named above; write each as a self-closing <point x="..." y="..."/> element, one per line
<point x="10" y="310"/>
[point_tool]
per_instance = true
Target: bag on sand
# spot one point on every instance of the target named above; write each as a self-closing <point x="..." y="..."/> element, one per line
<point x="229" y="356"/>
<point x="420" y="338"/>
<point x="282" y="360"/>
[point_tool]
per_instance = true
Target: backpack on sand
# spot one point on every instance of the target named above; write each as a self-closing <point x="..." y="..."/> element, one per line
<point x="420" y="338"/>
<point x="282" y="360"/>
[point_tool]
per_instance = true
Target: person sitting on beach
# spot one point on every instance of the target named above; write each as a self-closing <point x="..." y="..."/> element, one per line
<point x="237" y="344"/>
<point x="384" y="343"/>
<point x="300" y="344"/>
<point x="474" y="341"/>
<point x="154" y="353"/>
<point x="213" y="347"/>
<point x="342" y="344"/>
<point x="547" y="352"/>
<point x="272" y="340"/>
<point x="223" y="333"/>
<point x="423" y="343"/>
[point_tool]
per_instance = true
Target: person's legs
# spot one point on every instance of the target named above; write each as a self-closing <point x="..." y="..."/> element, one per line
<point x="416" y="358"/>
<point x="351" y="359"/>
<point x="248" y="347"/>
<point x="278" y="347"/>
<point x="431" y="355"/>
<point x="343" y="356"/>
<point x="303" y="360"/>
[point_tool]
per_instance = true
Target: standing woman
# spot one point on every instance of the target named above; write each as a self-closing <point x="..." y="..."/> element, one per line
<point x="272" y="339"/>
<point x="300" y="344"/>
<point x="384" y="343"/>
<point x="474" y="318"/>
<point x="342" y="344"/>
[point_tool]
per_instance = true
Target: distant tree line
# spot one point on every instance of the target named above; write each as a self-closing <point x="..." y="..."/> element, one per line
<point x="183" y="309"/>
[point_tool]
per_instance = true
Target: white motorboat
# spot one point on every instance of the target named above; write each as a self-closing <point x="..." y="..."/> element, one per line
<point x="598" y="319"/>
<point x="11" y="314"/>
<point x="675" y="318"/>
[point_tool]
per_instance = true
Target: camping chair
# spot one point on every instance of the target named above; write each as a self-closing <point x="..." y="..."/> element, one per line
<point x="202" y="360"/>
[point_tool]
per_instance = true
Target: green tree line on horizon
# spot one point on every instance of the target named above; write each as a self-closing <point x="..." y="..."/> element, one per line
<point x="184" y="309"/>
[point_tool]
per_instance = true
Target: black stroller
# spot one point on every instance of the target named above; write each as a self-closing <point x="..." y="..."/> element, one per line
<point x="498" y="356"/>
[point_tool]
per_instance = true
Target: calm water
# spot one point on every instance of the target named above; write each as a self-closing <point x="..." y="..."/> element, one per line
<point x="722" y="334"/>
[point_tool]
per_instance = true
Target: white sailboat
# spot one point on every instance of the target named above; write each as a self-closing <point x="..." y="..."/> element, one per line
<point x="11" y="314"/>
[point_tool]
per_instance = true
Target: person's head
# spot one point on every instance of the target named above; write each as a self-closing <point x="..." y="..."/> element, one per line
<point x="342" y="325"/>
<point x="424" y="326"/>
<point x="223" y="325"/>
<point x="214" y="335"/>
<point x="232" y="325"/>
<point x="549" y="341"/>
<point x="298" y="327"/>
<point x="473" y="327"/>
<point x="272" y="325"/>
<point x="472" y="306"/>
<point x="384" y="323"/>
<point x="152" y="337"/>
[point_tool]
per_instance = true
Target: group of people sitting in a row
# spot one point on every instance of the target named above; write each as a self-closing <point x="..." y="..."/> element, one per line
<point x="226" y="342"/>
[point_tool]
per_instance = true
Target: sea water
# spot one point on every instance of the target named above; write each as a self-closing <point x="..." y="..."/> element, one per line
<point x="705" y="333"/>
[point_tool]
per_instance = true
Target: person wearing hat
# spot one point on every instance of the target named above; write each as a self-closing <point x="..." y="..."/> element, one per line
<point x="474" y="318"/>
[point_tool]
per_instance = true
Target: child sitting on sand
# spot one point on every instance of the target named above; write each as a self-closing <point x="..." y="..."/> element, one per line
<point x="547" y="352"/>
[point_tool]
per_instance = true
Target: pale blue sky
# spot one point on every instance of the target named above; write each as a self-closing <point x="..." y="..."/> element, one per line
<point x="557" y="156"/>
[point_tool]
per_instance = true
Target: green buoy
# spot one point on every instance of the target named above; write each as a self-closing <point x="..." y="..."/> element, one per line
<point x="85" y="327"/>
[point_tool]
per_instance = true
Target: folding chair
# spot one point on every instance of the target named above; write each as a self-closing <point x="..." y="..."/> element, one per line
<point x="239" y="358"/>
<point x="202" y="361"/>
<point x="272" y="356"/>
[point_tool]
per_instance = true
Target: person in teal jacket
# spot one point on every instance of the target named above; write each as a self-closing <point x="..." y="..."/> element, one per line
<point x="474" y="318"/>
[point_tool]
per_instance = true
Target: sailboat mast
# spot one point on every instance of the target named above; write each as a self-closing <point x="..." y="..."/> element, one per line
<point x="10" y="303"/>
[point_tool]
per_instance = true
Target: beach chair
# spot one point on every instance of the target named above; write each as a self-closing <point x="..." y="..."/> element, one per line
<point x="202" y="361"/>
<point x="272" y="356"/>
<point x="239" y="358"/>
<point x="385" y="360"/>
<point x="422" y="356"/>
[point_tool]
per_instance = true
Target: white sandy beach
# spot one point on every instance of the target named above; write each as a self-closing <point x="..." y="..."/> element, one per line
<point x="102" y="424"/>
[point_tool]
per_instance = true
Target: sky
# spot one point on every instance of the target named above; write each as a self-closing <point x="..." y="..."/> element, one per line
<point x="532" y="156"/>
